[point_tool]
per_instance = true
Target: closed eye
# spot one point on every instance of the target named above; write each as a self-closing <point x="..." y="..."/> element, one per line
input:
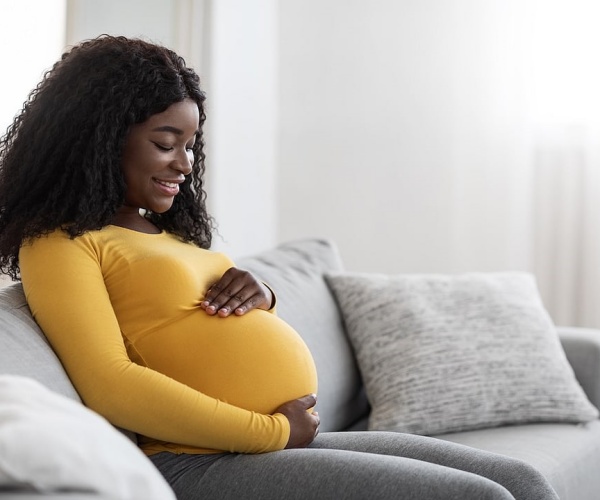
<point x="163" y="148"/>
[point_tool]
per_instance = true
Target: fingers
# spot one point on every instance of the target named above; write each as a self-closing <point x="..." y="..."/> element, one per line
<point x="236" y="292"/>
<point x="317" y="423"/>
<point x="308" y="401"/>
<point x="230" y="298"/>
<point x="304" y="423"/>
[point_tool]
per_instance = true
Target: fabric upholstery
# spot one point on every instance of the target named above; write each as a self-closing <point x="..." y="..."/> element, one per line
<point x="443" y="353"/>
<point x="24" y="349"/>
<point x="582" y="347"/>
<point x="567" y="454"/>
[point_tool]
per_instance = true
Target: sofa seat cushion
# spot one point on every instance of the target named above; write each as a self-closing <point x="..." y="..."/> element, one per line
<point x="295" y="272"/>
<point x="566" y="454"/>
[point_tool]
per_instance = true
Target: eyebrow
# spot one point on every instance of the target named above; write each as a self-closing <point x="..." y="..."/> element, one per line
<point x="169" y="128"/>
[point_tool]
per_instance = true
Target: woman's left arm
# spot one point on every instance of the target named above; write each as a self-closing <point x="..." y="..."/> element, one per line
<point x="237" y="292"/>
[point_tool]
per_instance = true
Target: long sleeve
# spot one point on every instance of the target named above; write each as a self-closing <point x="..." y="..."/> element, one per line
<point x="66" y="291"/>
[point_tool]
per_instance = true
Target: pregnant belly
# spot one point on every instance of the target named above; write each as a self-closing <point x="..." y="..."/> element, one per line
<point x="255" y="361"/>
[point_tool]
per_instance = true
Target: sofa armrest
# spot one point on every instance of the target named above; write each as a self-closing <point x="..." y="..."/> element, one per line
<point x="582" y="347"/>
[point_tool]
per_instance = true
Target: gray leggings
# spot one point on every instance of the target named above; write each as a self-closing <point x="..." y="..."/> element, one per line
<point x="356" y="465"/>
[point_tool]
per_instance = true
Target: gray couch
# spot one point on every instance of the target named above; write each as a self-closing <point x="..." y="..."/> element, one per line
<point x="567" y="454"/>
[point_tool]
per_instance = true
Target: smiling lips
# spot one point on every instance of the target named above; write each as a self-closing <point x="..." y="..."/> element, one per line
<point x="168" y="188"/>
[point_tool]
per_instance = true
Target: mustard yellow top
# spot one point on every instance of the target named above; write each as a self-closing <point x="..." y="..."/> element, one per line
<point x="121" y="310"/>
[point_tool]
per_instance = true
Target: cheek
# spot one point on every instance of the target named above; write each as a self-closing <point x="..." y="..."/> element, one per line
<point x="138" y="168"/>
<point x="128" y="171"/>
<point x="136" y="181"/>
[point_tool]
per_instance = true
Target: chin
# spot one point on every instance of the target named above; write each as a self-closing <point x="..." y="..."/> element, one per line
<point x="161" y="209"/>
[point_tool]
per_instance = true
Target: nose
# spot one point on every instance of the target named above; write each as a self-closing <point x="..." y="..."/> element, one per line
<point x="183" y="162"/>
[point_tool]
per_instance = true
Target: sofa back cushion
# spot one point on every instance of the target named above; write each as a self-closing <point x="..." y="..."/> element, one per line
<point x="295" y="272"/>
<point x="24" y="349"/>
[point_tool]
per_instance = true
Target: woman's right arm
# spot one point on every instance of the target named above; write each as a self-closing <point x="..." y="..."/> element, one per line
<point x="66" y="293"/>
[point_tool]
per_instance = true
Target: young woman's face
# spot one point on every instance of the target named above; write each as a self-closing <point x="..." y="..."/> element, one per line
<point x="158" y="155"/>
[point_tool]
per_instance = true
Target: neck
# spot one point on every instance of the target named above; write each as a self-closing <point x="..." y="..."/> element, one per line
<point x="131" y="218"/>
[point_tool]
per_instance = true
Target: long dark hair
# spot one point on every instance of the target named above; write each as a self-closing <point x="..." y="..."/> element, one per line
<point x="60" y="160"/>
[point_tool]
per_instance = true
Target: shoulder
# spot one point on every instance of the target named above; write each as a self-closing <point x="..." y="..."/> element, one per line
<point x="57" y="243"/>
<point x="58" y="237"/>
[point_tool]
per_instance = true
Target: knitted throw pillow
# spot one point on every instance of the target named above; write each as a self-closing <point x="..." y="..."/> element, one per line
<point x="447" y="353"/>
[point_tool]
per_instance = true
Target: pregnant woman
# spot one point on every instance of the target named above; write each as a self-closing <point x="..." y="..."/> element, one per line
<point x="103" y="217"/>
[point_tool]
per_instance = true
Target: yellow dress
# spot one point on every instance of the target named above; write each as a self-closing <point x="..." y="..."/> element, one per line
<point x="121" y="310"/>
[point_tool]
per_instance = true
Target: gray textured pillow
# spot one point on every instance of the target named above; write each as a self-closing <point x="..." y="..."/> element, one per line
<point x="446" y="353"/>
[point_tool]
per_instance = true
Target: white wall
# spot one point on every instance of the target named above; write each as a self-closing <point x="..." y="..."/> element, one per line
<point x="32" y="39"/>
<point x="153" y="20"/>
<point x="242" y="124"/>
<point x="400" y="132"/>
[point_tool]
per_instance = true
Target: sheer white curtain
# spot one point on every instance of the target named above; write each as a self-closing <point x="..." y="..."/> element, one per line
<point x="526" y="165"/>
<point x="565" y="139"/>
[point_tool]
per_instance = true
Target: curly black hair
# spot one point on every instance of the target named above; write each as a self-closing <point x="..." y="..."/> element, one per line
<point x="60" y="160"/>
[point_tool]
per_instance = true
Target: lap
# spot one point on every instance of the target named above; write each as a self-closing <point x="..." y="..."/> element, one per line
<point x="355" y="465"/>
<point x="519" y="477"/>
